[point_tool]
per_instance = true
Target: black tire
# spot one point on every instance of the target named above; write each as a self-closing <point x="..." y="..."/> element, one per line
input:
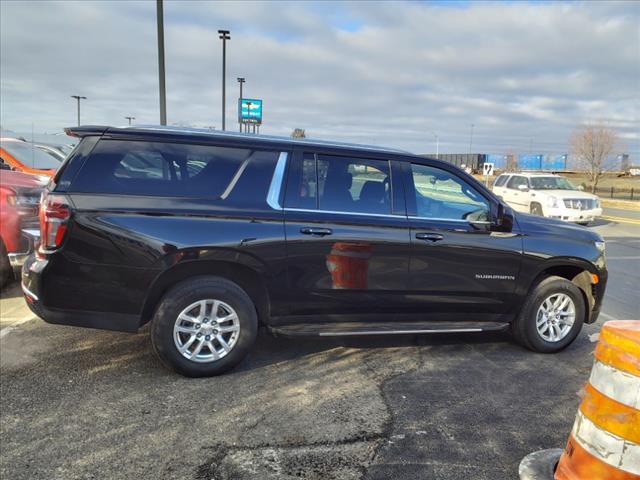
<point x="524" y="328"/>
<point x="584" y="224"/>
<point x="187" y="293"/>
<point x="6" y="272"/>
<point x="536" y="209"/>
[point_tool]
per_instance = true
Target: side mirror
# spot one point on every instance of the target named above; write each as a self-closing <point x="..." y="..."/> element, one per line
<point x="580" y="187"/>
<point x="523" y="188"/>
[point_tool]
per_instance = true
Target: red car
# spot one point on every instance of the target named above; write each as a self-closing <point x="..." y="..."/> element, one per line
<point x="19" y="225"/>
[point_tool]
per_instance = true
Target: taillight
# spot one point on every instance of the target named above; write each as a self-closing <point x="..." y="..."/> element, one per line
<point x="54" y="219"/>
<point x="8" y="195"/>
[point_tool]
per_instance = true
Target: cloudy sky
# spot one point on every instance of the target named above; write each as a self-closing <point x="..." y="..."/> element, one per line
<point x="524" y="74"/>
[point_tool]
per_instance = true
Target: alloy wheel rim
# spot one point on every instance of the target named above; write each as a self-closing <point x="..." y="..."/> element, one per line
<point x="555" y="317"/>
<point x="206" y="331"/>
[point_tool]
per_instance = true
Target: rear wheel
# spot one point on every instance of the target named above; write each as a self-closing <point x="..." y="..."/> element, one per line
<point x="551" y="317"/>
<point x="536" y="209"/>
<point x="204" y="326"/>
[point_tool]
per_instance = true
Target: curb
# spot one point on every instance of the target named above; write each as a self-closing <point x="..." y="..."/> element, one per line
<point x="540" y="465"/>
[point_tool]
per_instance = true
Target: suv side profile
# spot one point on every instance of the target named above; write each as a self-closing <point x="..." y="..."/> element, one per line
<point x="547" y="195"/>
<point x="210" y="235"/>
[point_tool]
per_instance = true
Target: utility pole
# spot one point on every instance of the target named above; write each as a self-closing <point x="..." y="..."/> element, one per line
<point x="471" y="139"/>
<point x="78" y="98"/>
<point x="241" y="80"/>
<point x="437" y="145"/>
<point x="224" y="36"/>
<point x="130" y="118"/>
<point x="163" y="94"/>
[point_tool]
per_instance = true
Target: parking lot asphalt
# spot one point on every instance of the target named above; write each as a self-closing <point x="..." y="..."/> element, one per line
<point x="78" y="403"/>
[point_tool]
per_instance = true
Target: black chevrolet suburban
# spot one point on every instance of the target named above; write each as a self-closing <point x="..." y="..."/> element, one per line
<point x="209" y="235"/>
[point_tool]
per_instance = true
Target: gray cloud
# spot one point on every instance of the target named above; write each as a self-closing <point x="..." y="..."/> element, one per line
<point x="525" y="74"/>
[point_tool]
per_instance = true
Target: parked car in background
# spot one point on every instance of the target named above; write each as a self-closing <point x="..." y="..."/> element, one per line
<point x="58" y="151"/>
<point x="547" y="195"/>
<point x="208" y="235"/>
<point x="19" y="224"/>
<point x="27" y="157"/>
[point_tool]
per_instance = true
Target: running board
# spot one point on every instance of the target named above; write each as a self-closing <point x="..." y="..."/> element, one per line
<point x="383" y="328"/>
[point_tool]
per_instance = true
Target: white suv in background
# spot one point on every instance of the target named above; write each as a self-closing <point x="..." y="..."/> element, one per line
<point x="548" y="195"/>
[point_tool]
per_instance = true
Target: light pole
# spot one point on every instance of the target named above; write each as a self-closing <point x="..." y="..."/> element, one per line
<point x="241" y="80"/>
<point x="471" y="139"/>
<point x="78" y="98"/>
<point x="437" y="145"/>
<point x="224" y="36"/>
<point x="130" y="118"/>
<point x="163" y="94"/>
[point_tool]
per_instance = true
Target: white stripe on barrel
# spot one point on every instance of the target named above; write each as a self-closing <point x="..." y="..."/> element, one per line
<point x="616" y="384"/>
<point x="611" y="449"/>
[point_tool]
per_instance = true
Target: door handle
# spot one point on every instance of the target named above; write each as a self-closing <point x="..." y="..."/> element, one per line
<point x="432" y="237"/>
<point x="316" y="231"/>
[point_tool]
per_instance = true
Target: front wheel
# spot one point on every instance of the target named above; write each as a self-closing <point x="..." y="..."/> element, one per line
<point x="204" y="327"/>
<point x="551" y="317"/>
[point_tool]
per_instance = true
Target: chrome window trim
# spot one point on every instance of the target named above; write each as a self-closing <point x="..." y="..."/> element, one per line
<point x="273" y="195"/>
<point x="235" y="178"/>
<point x="456" y="220"/>
<point x="309" y="210"/>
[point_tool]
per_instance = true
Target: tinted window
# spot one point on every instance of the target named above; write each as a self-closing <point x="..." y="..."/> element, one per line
<point x="353" y="185"/>
<point x="341" y="184"/>
<point x="166" y="169"/>
<point x="516" y="181"/>
<point x="443" y="195"/>
<point x="31" y="156"/>
<point x="500" y="180"/>
<point x="551" y="183"/>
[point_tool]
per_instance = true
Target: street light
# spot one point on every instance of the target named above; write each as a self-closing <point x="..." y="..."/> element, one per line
<point x="163" y="94"/>
<point x="437" y="145"/>
<point x="78" y="98"/>
<point x="471" y="138"/>
<point x="224" y="36"/>
<point x="130" y="118"/>
<point x="241" y="80"/>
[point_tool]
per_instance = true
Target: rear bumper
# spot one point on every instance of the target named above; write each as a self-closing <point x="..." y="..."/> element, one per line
<point x="32" y="278"/>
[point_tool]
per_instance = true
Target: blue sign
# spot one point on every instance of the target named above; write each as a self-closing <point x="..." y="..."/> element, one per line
<point x="250" y="110"/>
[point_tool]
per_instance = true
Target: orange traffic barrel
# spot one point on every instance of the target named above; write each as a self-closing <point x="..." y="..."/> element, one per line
<point x="604" y="443"/>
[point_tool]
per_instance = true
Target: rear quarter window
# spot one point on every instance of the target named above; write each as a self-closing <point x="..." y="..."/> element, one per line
<point x="173" y="170"/>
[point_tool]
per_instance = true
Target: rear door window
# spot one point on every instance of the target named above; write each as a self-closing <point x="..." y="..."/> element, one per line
<point x="165" y="169"/>
<point x="516" y="181"/>
<point x="341" y="184"/>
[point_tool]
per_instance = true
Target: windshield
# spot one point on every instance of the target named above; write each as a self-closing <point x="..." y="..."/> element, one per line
<point x="551" y="183"/>
<point x="31" y="156"/>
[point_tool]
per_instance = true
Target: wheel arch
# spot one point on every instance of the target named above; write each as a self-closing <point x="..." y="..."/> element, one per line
<point x="250" y="280"/>
<point x="577" y="271"/>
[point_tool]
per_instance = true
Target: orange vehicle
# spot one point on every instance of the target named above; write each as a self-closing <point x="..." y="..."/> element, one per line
<point x="25" y="157"/>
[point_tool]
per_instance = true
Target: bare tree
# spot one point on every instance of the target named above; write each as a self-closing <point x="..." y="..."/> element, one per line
<point x="591" y="145"/>
<point x="298" y="133"/>
<point x="512" y="161"/>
